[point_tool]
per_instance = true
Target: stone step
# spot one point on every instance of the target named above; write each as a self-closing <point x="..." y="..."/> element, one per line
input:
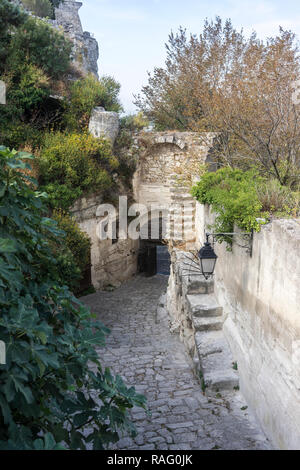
<point x="210" y="342"/>
<point x="221" y="380"/>
<point x="204" y="305"/>
<point x="207" y="323"/>
<point x="189" y="225"/>
<point x="196" y="284"/>
<point x="184" y="197"/>
<point x="216" y="361"/>
<point x="185" y="217"/>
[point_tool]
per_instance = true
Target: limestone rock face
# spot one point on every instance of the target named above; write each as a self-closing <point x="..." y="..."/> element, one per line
<point x="85" y="51"/>
<point x="104" y="124"/>
<point x="85" y="47"/>
<point x="67" y="16"/>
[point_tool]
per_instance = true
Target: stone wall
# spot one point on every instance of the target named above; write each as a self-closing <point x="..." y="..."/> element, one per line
<point x="261" y="300"/>
<point x="112" y="263"/>
<point x="166" y="168"/>
<point x="165" y="155"/>
<point x="198" y="318"/>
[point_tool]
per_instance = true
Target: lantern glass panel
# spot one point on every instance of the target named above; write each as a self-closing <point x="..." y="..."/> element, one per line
<point x="208" y="265"/>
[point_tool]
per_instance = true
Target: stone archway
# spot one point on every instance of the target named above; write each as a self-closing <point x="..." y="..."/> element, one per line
<point x="168" y="165"/>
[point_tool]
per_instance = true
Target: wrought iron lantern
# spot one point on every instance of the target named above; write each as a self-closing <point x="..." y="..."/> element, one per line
<point x="203" y="262"/>
<point x="208" y="259"/>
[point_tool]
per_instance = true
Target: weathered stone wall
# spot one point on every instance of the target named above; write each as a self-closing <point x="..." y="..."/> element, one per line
<point x="168" y="163"/>
<point x="164" y="156"/>
<point x="261" y="300"/>
<point x="198" y="318"/>
<point x="112" y="263"/>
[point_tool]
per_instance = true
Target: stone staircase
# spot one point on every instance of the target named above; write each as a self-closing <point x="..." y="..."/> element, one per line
<point x="212" y="356"/>
<point x="181" y="224"/>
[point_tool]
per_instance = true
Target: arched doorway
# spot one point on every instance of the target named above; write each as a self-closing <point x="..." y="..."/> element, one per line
<point x="154" y="256"/>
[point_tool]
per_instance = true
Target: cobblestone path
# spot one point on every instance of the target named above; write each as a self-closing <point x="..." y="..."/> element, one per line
<point x="143" y="351"/>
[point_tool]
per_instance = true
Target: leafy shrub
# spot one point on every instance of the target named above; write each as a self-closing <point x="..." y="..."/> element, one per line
<point x="124" y="146"/>
<point x="79" y="162"/>
<point x="27" y="87"/>
<point x="11" y="17"/>
<point x="76" y="241"/>
<point x="40" y="8"/>
<point x="134" y="122"/>
<point x="86" y="94"/>
<point x="233" y="195"/>
<point x="41" y="45"/>
<point x="49" y="396"/>
<point x="61" y="196"/>
<point x="16" y="134"/>
<point x="35" y="55"/>
<point x="277" y="199"/>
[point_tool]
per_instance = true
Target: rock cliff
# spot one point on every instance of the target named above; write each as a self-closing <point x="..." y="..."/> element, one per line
<point x="85" y="49"/>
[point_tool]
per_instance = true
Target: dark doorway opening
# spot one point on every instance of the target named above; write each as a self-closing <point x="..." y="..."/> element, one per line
<point x="154" y="258"/>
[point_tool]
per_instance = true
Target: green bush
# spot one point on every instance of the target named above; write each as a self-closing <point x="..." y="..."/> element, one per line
<point x="40" y="8"/>
<point x="134" y="122"/>
<point x="16" y="134"/>
<point x="76" y="241"/>
<point x="37" y="43"/>
<point x="61" y="196"/>
<point x="233" y="195"/>
<point x="86" y="94"/>
<point x="124" y="146"/>
<point x="27" y="87"/>
<point x="277" y="199"/>
<point x="11" y="17"/>
<point x="75" y="163"/>
<point x="49" y="396"/>
<point x="35" y="55"/>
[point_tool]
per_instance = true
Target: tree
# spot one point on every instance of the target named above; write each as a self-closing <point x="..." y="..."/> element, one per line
<point x="73" y="164"/>
<point x="36" y="55"/>
<point x="50" y="397"/>
<point x="239" y="88"/>
<point x="86" y="94"/>
<point x="39" y="44"/>
<point x="10" y="18"/>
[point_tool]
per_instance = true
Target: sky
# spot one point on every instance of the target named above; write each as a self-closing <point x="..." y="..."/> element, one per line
<point x="132" y="33"/>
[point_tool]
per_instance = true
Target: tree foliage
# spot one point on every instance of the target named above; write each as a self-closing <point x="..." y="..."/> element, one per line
<point x="36" y="54"/>
<point x="41" y="45"/>
<point x="77" y="243"/>
<point x="244" y="198"/>
<point x="70" y="164"/>
<point x="10" y="18"/>
<point x="240" y="88"/>
<point x="50" y="396"/>
<point x="86" y="94"/>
